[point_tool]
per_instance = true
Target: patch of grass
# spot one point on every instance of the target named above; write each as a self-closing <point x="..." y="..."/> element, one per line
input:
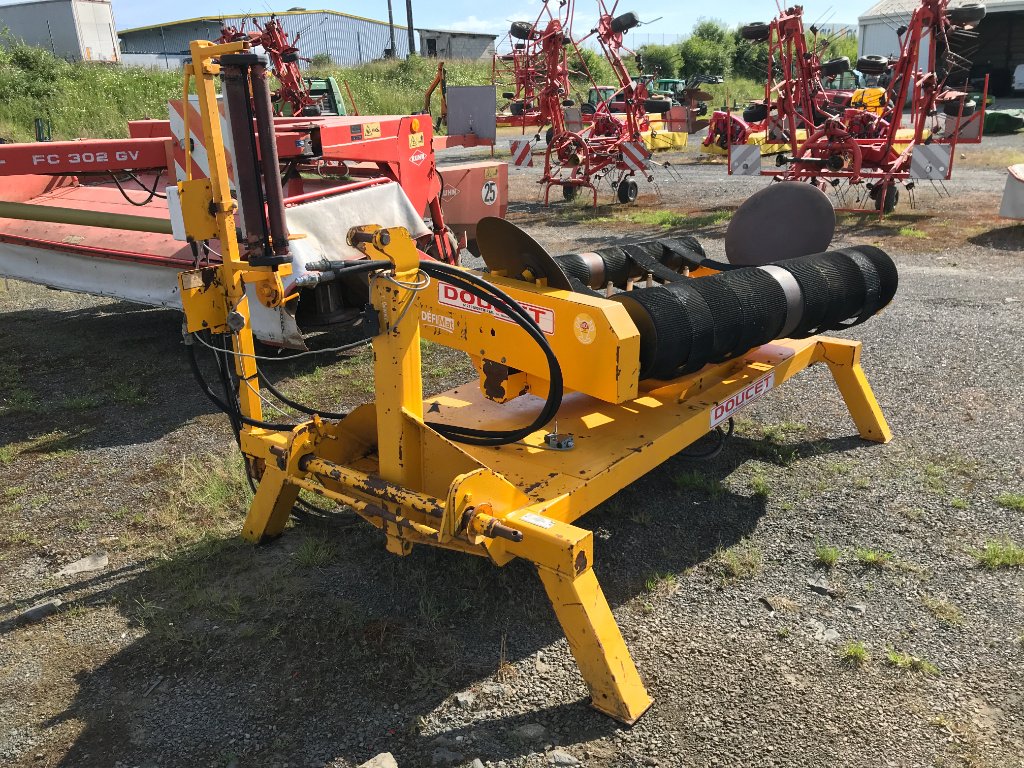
<point x="19" y="400"/>
<point x="128" y="392"/>
<point x="959" y="503"/>
<point x="695" y="480"/>
<point x="855" y="654"/>
<point x="53" y="443"/>
<point x="827" y="556"/>
<point x="908" y="663"/>
<point x="664" y="219"/>
<point x="872" y="558"/>
<point x="740" y="562"/>
<point x="84" y="402"/>
<point x="935" y="477"/>
<point x="314" y="552"/>
<point x="1000" y="553"/>
<point x="659" y="582"/>
<point x="1014" y="501"/>
<point x="760" y="486"/>
<point x="912" y="513"/>
<point x="913" y="232"/>
<point x="943" y="610"/>
<point x="782" y="431"/>
<point x="13" y="491"/>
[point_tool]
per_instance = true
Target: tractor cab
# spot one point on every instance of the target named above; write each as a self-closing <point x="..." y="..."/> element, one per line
<point x="601" y="94"/>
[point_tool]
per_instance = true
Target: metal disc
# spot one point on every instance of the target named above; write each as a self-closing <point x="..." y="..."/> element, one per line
<point x="781" y="221"/>
<point x="506" y="248"/>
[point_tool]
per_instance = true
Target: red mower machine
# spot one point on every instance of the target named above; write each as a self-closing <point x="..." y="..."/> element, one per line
<point x="102" y="216"/>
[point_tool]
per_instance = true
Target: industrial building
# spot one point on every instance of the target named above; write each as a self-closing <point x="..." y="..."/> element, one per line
<point x="445" y="44"/>
<point x="345" y="38"/>
<point x="1000" y="46"/>
<point x="76" y="30"/>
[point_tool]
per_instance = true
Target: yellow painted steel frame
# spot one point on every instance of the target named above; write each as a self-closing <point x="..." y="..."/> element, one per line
<point x="504" y="502"/>
<point x="521" y="500"/>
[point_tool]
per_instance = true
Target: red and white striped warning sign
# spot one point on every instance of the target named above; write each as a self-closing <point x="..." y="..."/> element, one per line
<point x="200" y="156"/>
<point x="522" y="157"/>
<point x="635" y="155"/>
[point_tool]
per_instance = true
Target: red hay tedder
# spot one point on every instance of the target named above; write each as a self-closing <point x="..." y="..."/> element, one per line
<point x="611" y="143"/>
<point x="864" y="144"/>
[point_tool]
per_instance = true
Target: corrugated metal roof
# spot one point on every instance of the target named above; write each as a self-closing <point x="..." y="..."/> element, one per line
<point x="901" y="9"/>
<point x="347" y="39"/>
<point x="46" y="2"/>
<point x="459" y="32"/>
<point x="228" y="16"/>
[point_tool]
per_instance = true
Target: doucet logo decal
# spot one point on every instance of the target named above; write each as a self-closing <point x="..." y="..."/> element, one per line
<point x="417" y="157"/>
<point x="745" y="396"/>
<point x="450" y="296"/>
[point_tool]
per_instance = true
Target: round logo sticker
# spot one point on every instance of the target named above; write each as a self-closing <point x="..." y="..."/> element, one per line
<point x="489" y="192"/>
<point x="586" y="330"/>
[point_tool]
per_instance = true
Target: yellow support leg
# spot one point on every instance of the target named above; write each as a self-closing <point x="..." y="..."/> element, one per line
<point x="843" y="358"/>
<point x="271" y="506"/>
<point x="597" y="644"/>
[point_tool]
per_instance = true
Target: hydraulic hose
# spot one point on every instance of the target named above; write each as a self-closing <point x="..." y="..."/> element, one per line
<point x="509" y="307"/>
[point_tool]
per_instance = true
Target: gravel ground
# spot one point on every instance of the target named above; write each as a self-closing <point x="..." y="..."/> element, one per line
<point x="191" y="648"/>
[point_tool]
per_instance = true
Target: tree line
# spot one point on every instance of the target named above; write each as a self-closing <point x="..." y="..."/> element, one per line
<point x="716" y="49"/>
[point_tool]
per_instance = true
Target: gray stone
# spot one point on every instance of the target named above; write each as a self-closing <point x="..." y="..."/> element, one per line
<point x="830" y="636"/>
<point x="40" y="611"/>
<point x="445" y="756"/>
<point x="383" y="760"/>
<point x="821" y="586"/>
<point x="531" y="732"/>
<point x="477" y="763"/>
<point x="465" y="699"/>
<point x="561" y="757"/>
<point x="95" y="562"/>
<point x="858" y="609"/>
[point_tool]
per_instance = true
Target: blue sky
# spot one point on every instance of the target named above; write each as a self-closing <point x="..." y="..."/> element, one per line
<point x="472" y="15"/>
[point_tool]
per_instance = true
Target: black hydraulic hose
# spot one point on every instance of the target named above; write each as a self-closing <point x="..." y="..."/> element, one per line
<point x="151" y="193"/>
<point x="232" y="412"/>
<point x="508" y="306"/>
<point x="293" y="404"/>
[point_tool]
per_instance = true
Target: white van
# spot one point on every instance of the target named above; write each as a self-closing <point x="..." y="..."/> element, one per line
<point x="1018" y="78"/>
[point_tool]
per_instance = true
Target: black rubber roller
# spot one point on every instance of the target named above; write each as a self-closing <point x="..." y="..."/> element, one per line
<point x="666" y="336"/>
<point x="690" y="322"/>
<point x="702" y="327"/>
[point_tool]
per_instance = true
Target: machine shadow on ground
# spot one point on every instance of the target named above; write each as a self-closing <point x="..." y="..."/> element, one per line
<point x="308" y="634"/>
<point x="114" y="375"/>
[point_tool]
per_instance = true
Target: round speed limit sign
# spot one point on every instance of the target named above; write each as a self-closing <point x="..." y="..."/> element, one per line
<point x="489" y="192"/>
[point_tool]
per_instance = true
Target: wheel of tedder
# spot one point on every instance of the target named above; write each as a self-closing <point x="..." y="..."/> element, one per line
<point x="549" y="135"/>
<point x="886" y="196"/>
<point x="966" y="13"/>
<point x="588" y="109"/>
<point x="872" y="65"/>
<point x="756" y="32"/>
<point x="522" y="30"/>
<point x="755" y="113"/>
<point x="625" y="22"/>
<point x="627" y="190"/>
<point x="569" y="192"/>
<point x="657" y="106"/>
<point x="835" y="66"/>
<point x="516" y="108"/>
